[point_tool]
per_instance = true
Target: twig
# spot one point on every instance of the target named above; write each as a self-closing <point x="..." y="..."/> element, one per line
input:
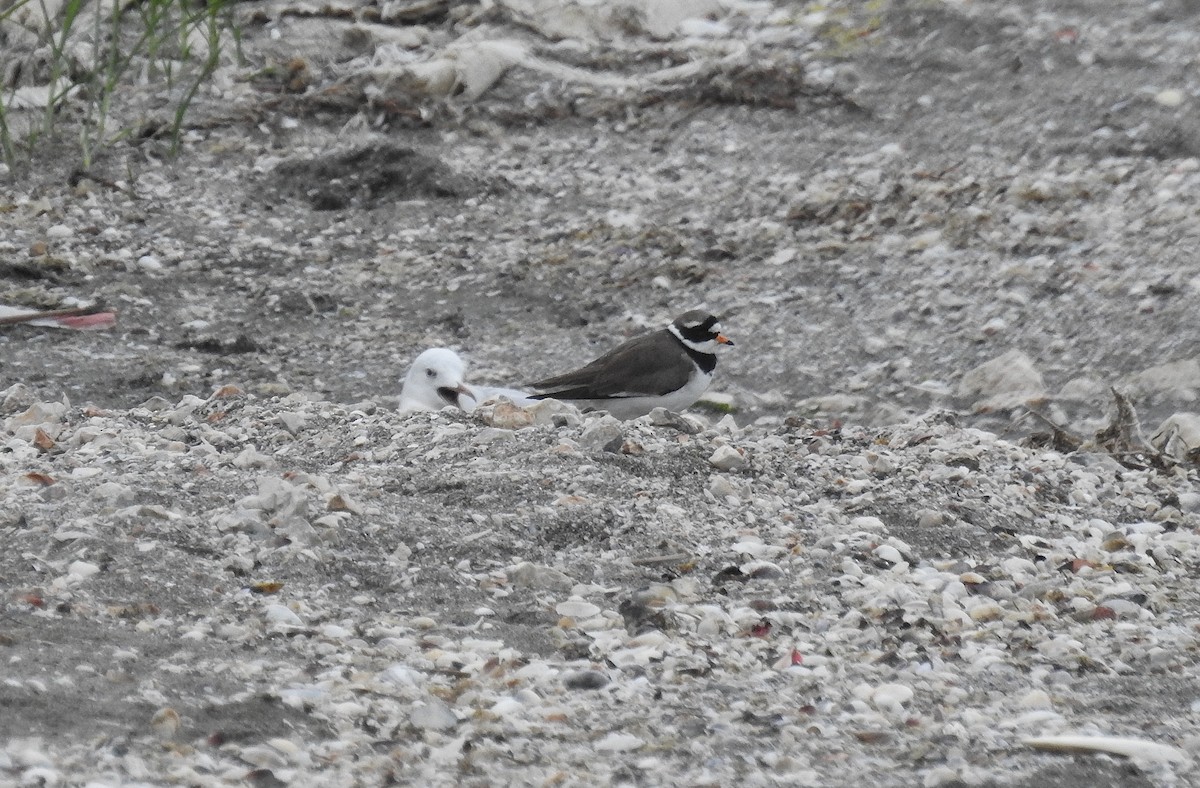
<point x="655" y="560"/>
<point x="1064" y="440"/>
<point x="50" y="313"/>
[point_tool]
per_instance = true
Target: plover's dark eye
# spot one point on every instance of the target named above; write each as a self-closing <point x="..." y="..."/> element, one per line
<point x="430" y="373"/>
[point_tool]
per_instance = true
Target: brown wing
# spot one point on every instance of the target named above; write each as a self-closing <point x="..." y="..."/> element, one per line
<point x="632" y="369"/>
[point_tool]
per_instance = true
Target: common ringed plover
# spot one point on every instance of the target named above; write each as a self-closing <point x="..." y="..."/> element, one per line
<point x="668" y="368"/>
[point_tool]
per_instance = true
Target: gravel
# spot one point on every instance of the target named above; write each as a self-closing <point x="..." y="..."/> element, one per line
<point x="912" y="539"/>
<point x="433" y="599"/>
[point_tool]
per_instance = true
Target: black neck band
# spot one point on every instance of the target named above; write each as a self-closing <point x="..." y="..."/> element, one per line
<point x="706" y="361"/>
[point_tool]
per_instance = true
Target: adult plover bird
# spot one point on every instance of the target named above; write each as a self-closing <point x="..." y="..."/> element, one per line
<point x="668" y="368"/>
<point x="437" y="380"/>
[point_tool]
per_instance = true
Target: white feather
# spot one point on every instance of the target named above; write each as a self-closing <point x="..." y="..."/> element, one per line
<point x="420" y="389"/>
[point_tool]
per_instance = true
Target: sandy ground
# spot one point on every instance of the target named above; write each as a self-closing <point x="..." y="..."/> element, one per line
<point x="945" y="184"/>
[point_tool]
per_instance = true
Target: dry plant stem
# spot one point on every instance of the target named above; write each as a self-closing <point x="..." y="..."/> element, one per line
<point x="73" y="312"/>
<point x="122" y="44"/>
<point x="1062" y="436"/>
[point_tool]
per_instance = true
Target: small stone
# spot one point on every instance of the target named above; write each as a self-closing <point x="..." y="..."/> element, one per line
<point x="433" y="714"/>
<point x="727" y="458"/>
<point x="81" y="570"/>
<point x="149" y="262"/>
<point x="16" y="397"/>
<point x="829" y="403"/>
<point x="250" y="457"/>
<point x="721" y="487"/>
<point x="292" y="421"/>
<point x="585" y="680"/>
<point x="156" y="404"/>
<point x="619" y="742"/>
<point x="1178" y="436"/>
<point x="1004" y="382"/>
<point x="661" y="417"/>
<point x="1082" y="389"/>
<point x="165" y="723"/>
<point x="59" y="231"/>
<point x="41" y="777"/>
<point x="1123" y="608"/>
<point x="1180" y="379"/>
<point x="343" y="503"/>
<point x="891" y="697"/>
<point x="490" y="435"/>
<point x="928" y="518"/>
<point x="529" y="575"/>
<point x="555" y="413"/>
<point x="1171" y="97"/>
<point x="604" y="433"/>
<point x="402" y="675"/>
<point x="281" y="614"/>
<point x="1036" y="699"/>
<point x="113" y="494"/>
<point x="505" y="415"/>
<point x="997" y="325"/>
<point x="38" y="414"/>
<point x="577" y="608"/>
<point x="889" y="554"/>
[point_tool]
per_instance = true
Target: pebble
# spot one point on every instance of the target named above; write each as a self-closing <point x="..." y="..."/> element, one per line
<point x="661" y="417"/>
<point x="889" y="554"/>
<point x="891" y="697"/>
<point x="585" y="680"/>
<point x="40" y="414"/>
<point x="727" y="458"/>
<point x="504" y="415"/>
<point x="555" y="413"/>
<point x="1171" y="97"/>
<point x="165" y="723"/>
<point x="281" y="614"/>
<point x="1036" y="699"/>
<point x="604" y="433"/>
<point x="577" y="609"/>
<point x="113" y="494"/>
<point x="292" y="421"/>
<point x="721" y="487"/>
<point x="432" y="714"/>
<point x="830" y="403"/>
<point x="530" y="575"/>
<point x="1007" y="381"/>
<point x="81" y="570"/>
<point x="619" y="742"/>
<point x="1178" y="436"/>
